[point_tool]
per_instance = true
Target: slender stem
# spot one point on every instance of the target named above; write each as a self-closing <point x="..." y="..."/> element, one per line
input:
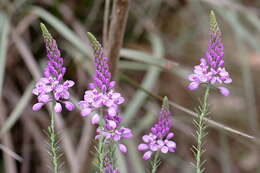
<point x="155" y="162"/>
<point x="53" y="140"/>
<point x="201" y="131"/>
<point x="101" y="154"/>
<point x="111" y="154"/>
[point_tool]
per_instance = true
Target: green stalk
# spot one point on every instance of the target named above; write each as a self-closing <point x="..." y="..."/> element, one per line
<point x="155" y="162"/>
<point x="100" y="150"/>
<point x="53" y="143"/>
<point x="111" y="154"/>
<point x="201" y="132"/>
<point x="101" y="154"/>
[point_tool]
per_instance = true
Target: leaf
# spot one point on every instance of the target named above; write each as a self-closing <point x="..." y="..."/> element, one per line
<point x="69" y="35"/>
<point x="66" y="32"/>
<point x="148" y="83"/>
<point x="4" y="32"/>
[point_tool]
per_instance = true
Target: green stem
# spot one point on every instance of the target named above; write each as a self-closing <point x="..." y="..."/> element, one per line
<point x="155" y="162"/>
<point x="201" y="131"/>
<point x="53" y="140"/>
<point x="101" y="154"/>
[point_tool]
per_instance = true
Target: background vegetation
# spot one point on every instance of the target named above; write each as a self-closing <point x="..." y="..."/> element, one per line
<point x="163" y="40"/>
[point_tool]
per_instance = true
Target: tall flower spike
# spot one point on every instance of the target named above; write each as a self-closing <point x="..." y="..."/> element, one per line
<point x="211" y="69"/>
<point x="55" y="67"/>
<point x="160" y="138"/>
<point x="100" y="97"/>
<point x="102" y="79"/>
<point x="51" y="87"/>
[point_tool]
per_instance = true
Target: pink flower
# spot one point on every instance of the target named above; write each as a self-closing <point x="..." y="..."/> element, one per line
<point x="159" y="139"/>
<point x="100" y="97"/>
<point x="211" y="69"/>
<point x="50" y="88"/>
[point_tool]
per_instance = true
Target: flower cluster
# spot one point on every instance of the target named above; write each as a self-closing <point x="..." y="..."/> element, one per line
<point x="94" y="99"/>
<point x="211" y="69"/>
<point x="51" y="87"/>
<point x="115" y="134"/>
<point x="101" y="101"/>
<point x="160" y="137"/>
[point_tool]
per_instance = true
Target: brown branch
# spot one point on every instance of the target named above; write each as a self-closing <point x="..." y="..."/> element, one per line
<point x="116" y="32"/>
<point x="106" y="24"/>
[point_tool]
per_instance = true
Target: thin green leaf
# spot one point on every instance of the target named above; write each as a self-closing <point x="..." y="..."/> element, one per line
<point x="69" y="35"/>
<point x="148" y="83"/>
<point x="4" y="32"/>
<point x="65" y="31"/>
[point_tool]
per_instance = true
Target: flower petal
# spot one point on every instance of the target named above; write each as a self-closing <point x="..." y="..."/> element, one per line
<point x="224" y="91"/>
<point x="37" y="106"/>
<point x="147" y="155"/>
<point x="95" y="119"/>
<point x="164" y="149"/>
<point x="142" y="147"/>
<point x="69" y="106"/>
<point x="122" y="148"/>
<point x="57" y="108"/>
<point x="86" y="112"/>
<point x="193" y="86"/>
<point x="170" y="135"/>
<point x="170" y="144"/>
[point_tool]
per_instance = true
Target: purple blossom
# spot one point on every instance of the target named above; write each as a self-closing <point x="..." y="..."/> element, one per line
<point x="94" y="99"/>
<point x="51" y="87"/>
<point x="160" y="138"/>
<point x="101" y="101"/>
<point x="116" y="135"/>
<point x="211" y="69"/>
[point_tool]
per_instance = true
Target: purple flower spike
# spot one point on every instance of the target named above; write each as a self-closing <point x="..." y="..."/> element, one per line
<point x="159" y="138"/>
<point x="100" y="97"/>
<point x="50" y="87"/>
<point x="211" y="69"/>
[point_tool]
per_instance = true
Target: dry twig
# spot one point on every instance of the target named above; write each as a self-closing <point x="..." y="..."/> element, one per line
<point x="116" y="32"/>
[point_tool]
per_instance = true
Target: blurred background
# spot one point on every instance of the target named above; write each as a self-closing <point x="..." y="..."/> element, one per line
<point x="163" y="40"/>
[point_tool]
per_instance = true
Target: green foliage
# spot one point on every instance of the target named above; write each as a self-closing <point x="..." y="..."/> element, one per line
<point x="100" y="150"/>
